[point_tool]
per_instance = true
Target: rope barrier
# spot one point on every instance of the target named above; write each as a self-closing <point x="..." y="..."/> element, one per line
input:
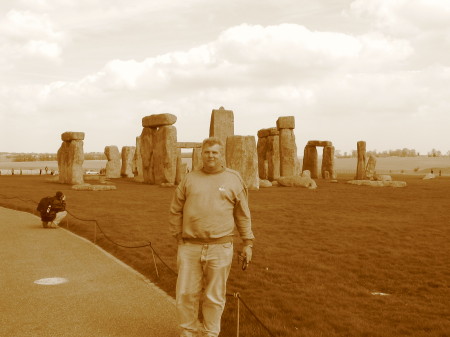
<point x="149" y="244"/>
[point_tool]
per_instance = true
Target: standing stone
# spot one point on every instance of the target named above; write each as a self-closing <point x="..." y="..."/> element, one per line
<point x="222" y="124"/>
<point x="70" y="158"/>
<point x="148" y="139"/>
<point x="261" y="148"/>
<point x="137" y="162"/>
<point x="241" y="155"/>
<point x="113" y="165"/>
<point x="181" y="168"/>
<point x="310" y="160"/>
<point x="288" y="148"/>
<point x="165" y="155"/>
<point x="361" y="164"/>
<point x="370" y="168"/>
<point x="127" y="161"/>
<point x="328" y="171"/>
<point x="273" y="155"/>
<point x="197" y="161"/>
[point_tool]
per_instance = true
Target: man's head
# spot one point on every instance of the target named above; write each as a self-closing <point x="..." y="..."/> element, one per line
<point x="212" y="151"/>
<point x="59" y="195"/>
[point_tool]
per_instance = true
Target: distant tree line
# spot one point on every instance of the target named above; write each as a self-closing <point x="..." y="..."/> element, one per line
<point x="20" y="157"/>
<point x="392" y="153"/>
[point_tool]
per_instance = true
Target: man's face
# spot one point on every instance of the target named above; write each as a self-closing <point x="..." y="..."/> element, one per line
<point x="212" y="157"/>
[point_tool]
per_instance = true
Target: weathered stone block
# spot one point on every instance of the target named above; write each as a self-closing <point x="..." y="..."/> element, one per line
<point x="370" y="167"/>
<point x="319" y="143"/>
<point x="113" y="165"/>
<point x="261" y="148"/>
<point x="197" y="161"/>
<point x="241" y="155"/>
<point x="137" y="162"/>
<point x="148" y="139"/>
<point x="69" y="136"/>
<point x="263" y="133"/>
<point x="154" y="121"/>
<point x="288" y="152"/>
<point x="286" y="122"/>
<point x="70" y="162"/>
<point x="165" y="155"/>
<point x="310" y="160"/>
<point x="328" y="171"/>
<point x="222" y="124"/>
<point x="127" y="161"/>
<point x="361" y="164"/>
<point x="273" y="157"/>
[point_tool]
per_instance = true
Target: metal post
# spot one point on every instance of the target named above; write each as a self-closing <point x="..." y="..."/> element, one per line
<point x="238" y="313"/>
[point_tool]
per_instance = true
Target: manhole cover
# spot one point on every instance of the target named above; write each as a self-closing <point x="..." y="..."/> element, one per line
<point x="51" y="281"/>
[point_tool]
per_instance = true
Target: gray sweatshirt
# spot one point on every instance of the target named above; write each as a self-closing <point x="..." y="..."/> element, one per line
<point x="206" y="207"/>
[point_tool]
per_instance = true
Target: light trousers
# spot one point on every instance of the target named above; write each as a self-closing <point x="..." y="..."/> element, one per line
<point x="59" y="217"/>
<point x="202" y="273"/>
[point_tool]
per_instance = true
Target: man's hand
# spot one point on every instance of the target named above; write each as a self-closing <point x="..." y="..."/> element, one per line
<point x="248" y="253"/>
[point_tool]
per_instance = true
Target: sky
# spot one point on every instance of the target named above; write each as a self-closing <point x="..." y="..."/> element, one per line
<point x="372" y="70"/>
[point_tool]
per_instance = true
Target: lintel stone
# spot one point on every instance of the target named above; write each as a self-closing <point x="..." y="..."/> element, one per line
<point x="69" y="136"/>
<point x="286" y="122"/>
<point x="154" y="121"/>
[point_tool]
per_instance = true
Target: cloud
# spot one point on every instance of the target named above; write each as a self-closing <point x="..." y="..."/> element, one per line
<point x="28" y="34"/>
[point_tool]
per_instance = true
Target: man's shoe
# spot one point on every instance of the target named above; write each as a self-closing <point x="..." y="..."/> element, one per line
<point x="45" y="224"/>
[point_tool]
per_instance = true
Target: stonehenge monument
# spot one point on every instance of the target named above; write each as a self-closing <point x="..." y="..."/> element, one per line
<point x="113" y="165"/>
<point x="127" y="161"/>
<point x="70" y="158"/>
<point x="159" y="149"/>
<point x="241" y="155"/>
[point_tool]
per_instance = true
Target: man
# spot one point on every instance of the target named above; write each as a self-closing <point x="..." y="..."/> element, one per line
<point x="53" y="210"/>
<point x="206" y="207"/>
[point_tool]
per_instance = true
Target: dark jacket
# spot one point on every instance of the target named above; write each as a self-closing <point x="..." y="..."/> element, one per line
<point x="56" y="206"/>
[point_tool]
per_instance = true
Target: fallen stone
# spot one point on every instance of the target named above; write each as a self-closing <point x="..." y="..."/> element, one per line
<point x="377" y="183"/>
<point x="264" y="183"/>
<point x="383" y="177"/>
<point x="429" y="176"/>
<point x="155" y="121"/>
<point x="89" y="187"/>
<point x="297" y="181"/>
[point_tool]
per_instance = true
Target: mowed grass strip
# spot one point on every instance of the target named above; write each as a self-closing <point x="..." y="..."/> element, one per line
<point x="342" y="260"/>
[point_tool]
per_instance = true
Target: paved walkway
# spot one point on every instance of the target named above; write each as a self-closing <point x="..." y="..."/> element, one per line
<point x="100" y="296"/>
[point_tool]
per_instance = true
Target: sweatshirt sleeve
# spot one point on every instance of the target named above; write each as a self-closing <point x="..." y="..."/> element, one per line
<point x="176" y="211"/>
<point x="242" y="217"/>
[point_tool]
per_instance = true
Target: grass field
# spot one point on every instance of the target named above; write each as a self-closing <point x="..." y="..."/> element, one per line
<point x="342" y="260"/>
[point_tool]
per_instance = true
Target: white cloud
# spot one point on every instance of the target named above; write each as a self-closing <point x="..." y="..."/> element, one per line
<point x="28" y="34"/>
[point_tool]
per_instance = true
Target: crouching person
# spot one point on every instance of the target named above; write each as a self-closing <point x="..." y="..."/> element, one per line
<point x="52" y="210"/>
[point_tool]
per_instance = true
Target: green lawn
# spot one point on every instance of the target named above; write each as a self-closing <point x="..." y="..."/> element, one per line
<point x="342" y="260"/>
